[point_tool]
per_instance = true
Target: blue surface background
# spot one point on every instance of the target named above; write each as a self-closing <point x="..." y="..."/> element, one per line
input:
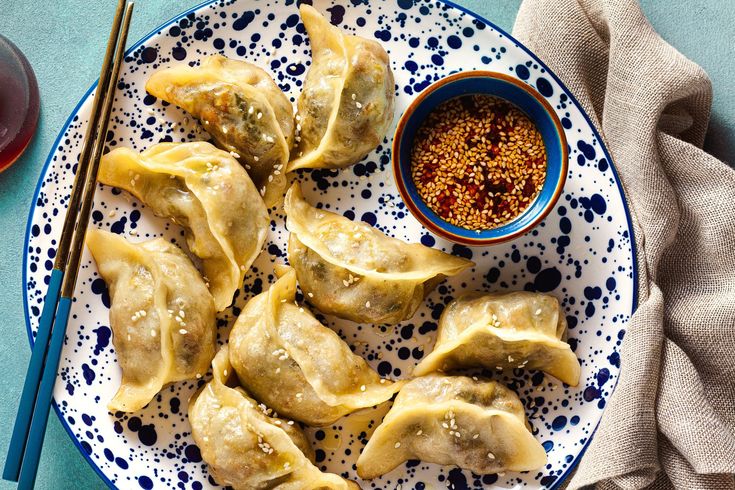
<point x="65" y="41"/>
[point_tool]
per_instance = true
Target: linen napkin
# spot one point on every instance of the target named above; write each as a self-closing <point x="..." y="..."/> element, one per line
<point x="671" y="421"/>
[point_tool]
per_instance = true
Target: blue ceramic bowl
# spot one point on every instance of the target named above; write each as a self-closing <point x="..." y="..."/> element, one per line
<point x="521" y="95"/>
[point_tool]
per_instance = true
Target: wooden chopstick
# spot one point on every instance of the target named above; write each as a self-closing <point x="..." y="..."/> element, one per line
<point x="30" y="425"/>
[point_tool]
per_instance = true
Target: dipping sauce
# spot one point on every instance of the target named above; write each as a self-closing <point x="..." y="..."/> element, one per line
<point x="478" y="161"/>
<point x="19" y="103"/>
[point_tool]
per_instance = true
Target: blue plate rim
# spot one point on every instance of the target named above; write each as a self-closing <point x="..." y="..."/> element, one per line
<point x="206" y="3"/>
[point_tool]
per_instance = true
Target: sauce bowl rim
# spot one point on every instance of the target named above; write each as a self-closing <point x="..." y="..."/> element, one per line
<point x="431" y="224"/>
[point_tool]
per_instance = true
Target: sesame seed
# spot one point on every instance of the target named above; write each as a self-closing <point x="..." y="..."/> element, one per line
<point x="478" y="162"/>
<point x="397" y="445"/>
<point x="183" y="331"/>
<point x="491" y="456"/>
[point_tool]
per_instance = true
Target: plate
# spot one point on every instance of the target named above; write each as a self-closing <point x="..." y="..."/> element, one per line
<point x="583" y="252"/>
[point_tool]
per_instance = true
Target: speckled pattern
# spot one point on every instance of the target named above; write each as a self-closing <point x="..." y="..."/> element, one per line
<point x="582" y="252"/>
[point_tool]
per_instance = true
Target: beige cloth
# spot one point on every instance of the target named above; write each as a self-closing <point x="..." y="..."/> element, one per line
<point x="671" y="421"/>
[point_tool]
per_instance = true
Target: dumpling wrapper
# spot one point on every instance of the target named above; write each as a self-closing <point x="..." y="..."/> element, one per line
<point x="246" y="447"/>
<point x="428" y="414"/>
<point x="521" y="329"/>
<point x="352" y="270"/>
<point x="207" y="192"/>
<point x="290" y="361"/>
<point x="154" y="347"/>
<point x="348" y="99"/>
<point x="243" y="109"/>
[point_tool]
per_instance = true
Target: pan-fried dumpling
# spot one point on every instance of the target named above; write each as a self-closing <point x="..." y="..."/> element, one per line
<point x="243" y="109"/>
<point x="511" y="330"/>
<point x="478" y="425"/>
<point x="291" y="362"/>
<point x="353" y="271"/>
<point x="162" y="316"/>
<point x="347" y="103"/>
<point x="207" y="192"/>
<point x="246" y="446"/>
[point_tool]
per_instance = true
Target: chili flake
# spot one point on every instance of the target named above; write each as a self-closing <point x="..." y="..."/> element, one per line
<point x="478" y="161"/>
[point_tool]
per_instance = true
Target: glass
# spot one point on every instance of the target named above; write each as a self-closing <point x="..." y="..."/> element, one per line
<point x="19" y="103"/>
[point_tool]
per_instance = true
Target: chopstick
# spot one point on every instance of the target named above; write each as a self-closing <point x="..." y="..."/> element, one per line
<point x="35" y="366"/>
<point x="30" y="425"/>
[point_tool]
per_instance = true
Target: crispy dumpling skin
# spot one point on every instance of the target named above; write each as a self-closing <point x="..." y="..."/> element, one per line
<point x="243" y="109"/>
<point x="290" y="361"/>
<point x="162" y="315"/>
<point x="428" y="414"/>
<point x="512" y="330"/>
<point x="246" y="446"/>
<point x="348" y="99"/>
<point x="352" y="270"/>
<point x="207" y="192"/>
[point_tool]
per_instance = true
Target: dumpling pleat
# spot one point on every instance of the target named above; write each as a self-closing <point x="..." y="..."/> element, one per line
<point x="511" y="330"/>
<point x="296" y="365"/>
<point x="475" y="424"/>
<point x="244" y="111"/>
<point x="204" y="190"/>
<point x="352" y="270"/>
<point x="146" y="281"/>
<point x="246" y="446"/>
<point x="348" y="98"/>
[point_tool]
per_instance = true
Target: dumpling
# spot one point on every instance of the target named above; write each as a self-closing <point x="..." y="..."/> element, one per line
<point x="246" y="446"/>
<point x="243" y="109"/>
<point x="478" y="425"/>
<point x="207" y="192"/>
<point x="348" y="99"/>
<point x="291" y="362"/>
<point x="162" y="316"/>
<point x="511" y="330"/>
<point x="353" y="271"/>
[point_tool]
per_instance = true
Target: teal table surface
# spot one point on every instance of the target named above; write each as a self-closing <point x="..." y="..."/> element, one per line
<point x="65" y="40"/>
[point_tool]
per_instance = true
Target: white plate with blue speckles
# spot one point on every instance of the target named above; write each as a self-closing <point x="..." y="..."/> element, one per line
<point x="583" y="252"/>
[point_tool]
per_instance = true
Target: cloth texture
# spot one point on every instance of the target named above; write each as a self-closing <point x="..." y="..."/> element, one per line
<point x="670" y="423"/>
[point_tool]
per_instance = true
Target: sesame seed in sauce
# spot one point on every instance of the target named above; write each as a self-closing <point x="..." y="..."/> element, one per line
<point x="478" y="161"/>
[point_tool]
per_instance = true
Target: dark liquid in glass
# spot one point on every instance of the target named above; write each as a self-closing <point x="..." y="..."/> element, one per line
<point x="19" y="103"/>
